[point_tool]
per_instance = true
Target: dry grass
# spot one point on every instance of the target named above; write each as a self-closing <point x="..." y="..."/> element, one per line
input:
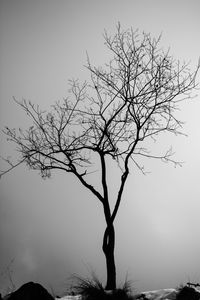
<point x="92" y="289"/>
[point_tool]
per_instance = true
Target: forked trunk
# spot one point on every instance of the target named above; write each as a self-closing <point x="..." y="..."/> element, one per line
<point x="108" y="249"/>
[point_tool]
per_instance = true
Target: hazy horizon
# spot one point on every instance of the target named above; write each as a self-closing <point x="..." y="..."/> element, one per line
<point x="54" y="228"/>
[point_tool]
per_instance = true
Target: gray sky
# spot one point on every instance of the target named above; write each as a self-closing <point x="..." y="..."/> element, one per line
<point x="54" y="228"/>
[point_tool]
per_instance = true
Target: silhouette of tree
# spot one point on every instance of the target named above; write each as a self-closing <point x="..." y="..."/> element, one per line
<point x="130" y="100"/>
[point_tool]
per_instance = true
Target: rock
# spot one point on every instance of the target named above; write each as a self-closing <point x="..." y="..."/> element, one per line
<point x="31" y="291"/>
<point x="188" y="293"/>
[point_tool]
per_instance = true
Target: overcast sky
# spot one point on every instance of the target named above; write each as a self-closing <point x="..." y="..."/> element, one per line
<point x="54" y="228"/>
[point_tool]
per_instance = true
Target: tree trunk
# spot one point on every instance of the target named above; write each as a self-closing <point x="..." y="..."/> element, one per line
<point x="108" y="249"/>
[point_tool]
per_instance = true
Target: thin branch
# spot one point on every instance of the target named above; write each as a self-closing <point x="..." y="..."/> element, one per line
<point x="135" y="96"/>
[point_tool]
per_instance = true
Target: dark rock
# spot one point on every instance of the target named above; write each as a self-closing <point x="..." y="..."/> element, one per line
<point x="31" y="291"/>
<point x="188" y="293"/>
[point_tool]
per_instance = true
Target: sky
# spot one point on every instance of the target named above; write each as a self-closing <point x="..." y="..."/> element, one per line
<point x="51" y="229"/>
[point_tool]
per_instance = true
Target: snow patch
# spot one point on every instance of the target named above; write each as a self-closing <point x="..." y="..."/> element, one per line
<point x="167" y="294"/>
<point x="69" y="297"/>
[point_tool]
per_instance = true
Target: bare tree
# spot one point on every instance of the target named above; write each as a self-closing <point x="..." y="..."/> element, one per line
<point x="130" y="100"/>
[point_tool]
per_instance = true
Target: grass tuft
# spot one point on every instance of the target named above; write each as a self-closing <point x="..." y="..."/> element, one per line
<point x="89" y="288"/>
<point x="92" y="289"/>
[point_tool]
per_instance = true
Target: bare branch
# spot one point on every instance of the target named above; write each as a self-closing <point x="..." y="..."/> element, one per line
<point x="134" y="97"/>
